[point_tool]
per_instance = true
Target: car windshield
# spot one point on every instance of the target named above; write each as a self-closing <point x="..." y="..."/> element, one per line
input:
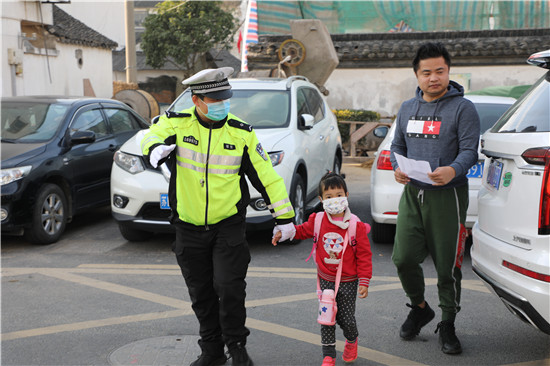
<point x="489" y="113"/>
<point x="30" y="122"/>
<point x="259" y="108"/>
<point x="531" y="113"/>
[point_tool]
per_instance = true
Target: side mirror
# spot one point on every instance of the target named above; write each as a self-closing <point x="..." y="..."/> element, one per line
<point x="82" y="137"/>
<point x="155" y="119"/>
<point x="381" y="131"/>
<point x="306" y="122"/>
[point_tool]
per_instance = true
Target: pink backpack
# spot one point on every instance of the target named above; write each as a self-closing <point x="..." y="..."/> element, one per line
<point x="352" y="228"/>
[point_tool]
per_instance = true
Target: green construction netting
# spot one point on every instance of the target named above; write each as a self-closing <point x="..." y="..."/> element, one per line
<point x="502" y="91"/>
<point x="380" y="16"/>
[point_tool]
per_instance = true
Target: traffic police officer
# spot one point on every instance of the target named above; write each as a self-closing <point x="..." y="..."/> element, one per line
<point x="211" y="151"/>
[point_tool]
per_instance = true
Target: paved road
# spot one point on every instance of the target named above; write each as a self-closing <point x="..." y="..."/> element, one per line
<point x="95" y="299"/>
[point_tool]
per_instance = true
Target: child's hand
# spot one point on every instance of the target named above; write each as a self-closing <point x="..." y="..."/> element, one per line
<point x="276" y="238"/>
<point x="363" y="292"/>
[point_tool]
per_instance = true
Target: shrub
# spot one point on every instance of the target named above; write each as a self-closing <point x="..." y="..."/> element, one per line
<point x="353" y="115"/>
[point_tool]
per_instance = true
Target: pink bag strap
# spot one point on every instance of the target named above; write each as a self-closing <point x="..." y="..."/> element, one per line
<point x="316" y="230"/>
<point x="338" y="272"/>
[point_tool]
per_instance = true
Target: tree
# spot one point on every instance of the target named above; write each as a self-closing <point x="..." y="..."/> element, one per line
<point x="183" y="32"/>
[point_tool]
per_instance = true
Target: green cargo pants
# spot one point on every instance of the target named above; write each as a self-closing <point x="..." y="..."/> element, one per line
<point x="432" y="222"/>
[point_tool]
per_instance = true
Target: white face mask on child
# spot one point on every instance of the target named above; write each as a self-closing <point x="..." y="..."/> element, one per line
<point x="335" y="205"/>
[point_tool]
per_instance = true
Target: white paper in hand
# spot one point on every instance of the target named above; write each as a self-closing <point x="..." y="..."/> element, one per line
<point x="415" y="169"/>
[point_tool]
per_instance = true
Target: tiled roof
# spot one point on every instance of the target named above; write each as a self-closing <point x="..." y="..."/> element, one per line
<point x="70" y="30"/>
<point x="377" y="50"/>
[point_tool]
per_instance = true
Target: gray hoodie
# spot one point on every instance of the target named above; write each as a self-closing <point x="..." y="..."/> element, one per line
<point x="444" y="132"/>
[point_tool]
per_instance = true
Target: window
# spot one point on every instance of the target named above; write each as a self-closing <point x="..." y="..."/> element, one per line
<point x="310" y="102"/>
<point x="30" y="121"/>
<point x="259" y="108"/>
<point x="32" y="38"/>
<point x="489" y="113"/>
<point x="531" y="113"/>
<point x="91" y="120"/>
<point x="121" y="120"/>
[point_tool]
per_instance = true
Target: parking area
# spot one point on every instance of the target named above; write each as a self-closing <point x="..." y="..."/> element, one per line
<point x="95" y="299"/>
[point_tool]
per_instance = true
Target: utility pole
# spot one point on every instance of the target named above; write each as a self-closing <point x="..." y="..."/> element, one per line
<point x="131" y="63"/>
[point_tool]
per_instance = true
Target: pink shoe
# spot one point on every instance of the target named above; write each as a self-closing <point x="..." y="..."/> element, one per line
<point x="329" y="361"/>
<point x="350" y="351"/>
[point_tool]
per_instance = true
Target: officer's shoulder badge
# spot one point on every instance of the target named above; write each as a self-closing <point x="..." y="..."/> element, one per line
<point x="240" y="125"/>
<point x="171" y="114"/>
<point x="260" y="150"/>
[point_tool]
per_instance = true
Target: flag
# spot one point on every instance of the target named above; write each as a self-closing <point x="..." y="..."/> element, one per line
<point x="240" y="41"/>
<point x="401" y="27"/>
<point x="250" y="32"/>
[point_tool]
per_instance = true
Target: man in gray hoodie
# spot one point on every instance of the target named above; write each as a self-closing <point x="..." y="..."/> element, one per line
<point x="441" y="127"/>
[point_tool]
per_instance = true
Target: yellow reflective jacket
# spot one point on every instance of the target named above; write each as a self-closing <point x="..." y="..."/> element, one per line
<point x="208" y="183"/>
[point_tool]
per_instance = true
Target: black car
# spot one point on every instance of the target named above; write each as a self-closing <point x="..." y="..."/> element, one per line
<point x="57" y="154"/>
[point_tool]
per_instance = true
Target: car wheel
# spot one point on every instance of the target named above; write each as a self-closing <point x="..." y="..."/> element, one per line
<point x="337" y="165"/>
<point x="49" y="216"/>
<point x="298" y="199"/>
<point x="383" y="233"/>
<point x="132" y="234"/>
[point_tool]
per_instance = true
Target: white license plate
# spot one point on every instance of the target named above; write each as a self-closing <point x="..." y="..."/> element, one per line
<point x="494" y="174"/>
<point x="476" y="171"/>
<point x="164" y="204"/>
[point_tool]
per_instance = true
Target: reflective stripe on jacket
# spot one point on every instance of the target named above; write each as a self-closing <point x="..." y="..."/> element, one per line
<point x="211" y="162"/>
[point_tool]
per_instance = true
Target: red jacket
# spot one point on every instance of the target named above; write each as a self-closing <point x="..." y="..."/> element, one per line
<point x="357" y="264"/>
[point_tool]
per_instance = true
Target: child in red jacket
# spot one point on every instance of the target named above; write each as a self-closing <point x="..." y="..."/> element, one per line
<point x="357" y="263"/>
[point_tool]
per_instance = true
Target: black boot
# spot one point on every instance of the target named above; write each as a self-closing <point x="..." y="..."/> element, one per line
<point x="416" y="319"/>
<point x="239" y="356"/>
<point x="212" y="354"/>
<point x="447" y="338"/>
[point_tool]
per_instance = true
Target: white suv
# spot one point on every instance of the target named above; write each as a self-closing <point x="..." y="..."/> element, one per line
<point x="511" y="250"/>
<point x="292" y="121"/>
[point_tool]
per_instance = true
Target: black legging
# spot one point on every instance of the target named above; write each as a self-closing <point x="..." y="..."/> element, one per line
<point x="345" y="317"/>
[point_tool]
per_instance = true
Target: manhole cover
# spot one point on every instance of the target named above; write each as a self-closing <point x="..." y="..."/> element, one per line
<point x="165" y="351"/>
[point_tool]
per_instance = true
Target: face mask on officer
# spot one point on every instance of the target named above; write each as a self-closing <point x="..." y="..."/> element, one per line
<point x="218" y="110"/>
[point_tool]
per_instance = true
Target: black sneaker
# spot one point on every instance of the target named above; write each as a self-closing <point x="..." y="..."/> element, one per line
<point x="416" y="319"/>
<point x="239" y="356"/>
<point x="206" y="359"/>
<point x="447" y="338"/>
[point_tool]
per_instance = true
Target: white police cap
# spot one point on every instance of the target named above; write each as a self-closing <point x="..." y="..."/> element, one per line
<point x="211" y="83"/>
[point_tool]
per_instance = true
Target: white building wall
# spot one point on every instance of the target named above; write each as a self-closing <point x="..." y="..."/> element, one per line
<point x="383" y="90"/>
<point x="10" y="30"/>
<point x="12" y="14"/>
<point x="33" y="77"/>
<point x="67" y="78"/>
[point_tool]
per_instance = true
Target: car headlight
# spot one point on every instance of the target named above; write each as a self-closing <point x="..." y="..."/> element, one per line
<point x="130" y="163"/>
<point x="276" y="157"/>
<point x="13" y="174"/>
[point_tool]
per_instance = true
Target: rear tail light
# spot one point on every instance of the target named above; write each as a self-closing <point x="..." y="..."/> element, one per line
<point x="384" y="162"/>
<point x="526" y="272"/>
<point x="541" y="156"/>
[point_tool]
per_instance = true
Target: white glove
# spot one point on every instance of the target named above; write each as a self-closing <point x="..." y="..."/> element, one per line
<point x="159" y="153"/>
<point x="287" y="231"/>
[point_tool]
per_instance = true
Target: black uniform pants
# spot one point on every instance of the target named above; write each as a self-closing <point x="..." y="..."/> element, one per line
<point x="214" y="265"/>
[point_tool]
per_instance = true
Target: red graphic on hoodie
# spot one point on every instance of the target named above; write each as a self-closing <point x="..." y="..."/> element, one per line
<point x="431" y="127"/>
<point x="421" y="127"/>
